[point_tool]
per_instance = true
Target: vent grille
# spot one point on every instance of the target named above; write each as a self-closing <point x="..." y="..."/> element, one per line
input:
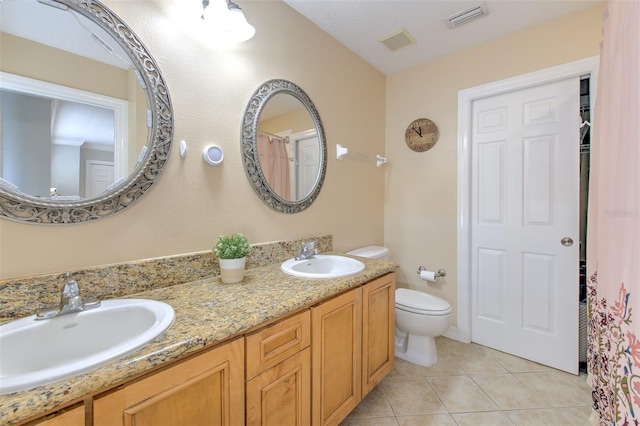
<point x="467" y="16"/>
<point x="397" y="40"/>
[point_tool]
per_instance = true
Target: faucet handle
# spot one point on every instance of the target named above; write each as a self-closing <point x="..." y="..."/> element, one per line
<point x="307" y="250"/>
<point x="71" y="289"/>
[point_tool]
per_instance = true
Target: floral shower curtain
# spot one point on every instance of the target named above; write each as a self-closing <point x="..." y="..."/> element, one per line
<point x="613" y="243"/>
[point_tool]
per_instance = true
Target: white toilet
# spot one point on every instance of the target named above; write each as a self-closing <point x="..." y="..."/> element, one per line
<point x="420" y="317"/>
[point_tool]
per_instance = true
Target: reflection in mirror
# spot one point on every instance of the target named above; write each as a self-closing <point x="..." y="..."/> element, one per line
<point x="59" y="141"/>
<point x="288" y="147"/>
<point x="283" y="145"/>
<point x="79" y="140"/>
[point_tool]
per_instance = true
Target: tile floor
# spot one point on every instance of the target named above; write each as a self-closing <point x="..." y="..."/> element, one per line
<point x="475" y="385"/>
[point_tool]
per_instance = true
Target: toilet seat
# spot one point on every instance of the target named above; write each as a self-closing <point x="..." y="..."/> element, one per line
<point x="421" y="303"/>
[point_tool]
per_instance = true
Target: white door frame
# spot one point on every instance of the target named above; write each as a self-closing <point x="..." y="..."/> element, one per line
<point x="465" y="99"/>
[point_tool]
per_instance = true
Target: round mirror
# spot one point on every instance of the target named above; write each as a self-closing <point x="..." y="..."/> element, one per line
<point x="86" y="116"/>
<point x="284" y="149"/>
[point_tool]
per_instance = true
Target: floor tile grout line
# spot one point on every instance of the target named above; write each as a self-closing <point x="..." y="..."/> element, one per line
<point x="470" y="351"/>
<point x="485" y="392"/>
<point x="426" y="379"/>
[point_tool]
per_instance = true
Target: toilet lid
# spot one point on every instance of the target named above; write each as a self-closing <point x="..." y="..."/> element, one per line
<point x="419" y="301"/>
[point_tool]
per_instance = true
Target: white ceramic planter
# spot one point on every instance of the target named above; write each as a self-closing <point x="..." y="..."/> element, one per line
<point x="232" y="270"/>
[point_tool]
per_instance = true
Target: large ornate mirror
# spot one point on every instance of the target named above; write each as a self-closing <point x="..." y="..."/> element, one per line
<point x="86" y="117"/>
<point x="284" y="150"/>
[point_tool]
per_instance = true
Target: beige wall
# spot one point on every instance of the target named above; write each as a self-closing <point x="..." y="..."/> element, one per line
<point x="421" y="188"/>
<point x="210" y="86"/>
<point x="297" y="121"/>
<point x="34" y="60"/>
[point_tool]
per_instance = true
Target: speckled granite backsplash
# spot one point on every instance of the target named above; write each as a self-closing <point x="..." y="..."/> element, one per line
<point x="24" y="296"/>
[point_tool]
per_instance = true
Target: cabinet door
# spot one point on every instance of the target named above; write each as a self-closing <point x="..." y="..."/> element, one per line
<point x="378" y="331"/>
<point x="66" y="417"/>
<point x="281" y="396"/>
<point x="206" y="390"/>
<point x="336" y="345"/>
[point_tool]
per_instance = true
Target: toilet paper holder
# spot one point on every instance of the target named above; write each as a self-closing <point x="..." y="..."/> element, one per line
<point x="440" y="273"/>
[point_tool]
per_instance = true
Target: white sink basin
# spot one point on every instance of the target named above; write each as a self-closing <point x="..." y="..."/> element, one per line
<point x="323" y="266"/>
<point x="34" y="353"/>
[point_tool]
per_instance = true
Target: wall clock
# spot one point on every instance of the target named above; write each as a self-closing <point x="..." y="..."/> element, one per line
<point x="421" y="135"/>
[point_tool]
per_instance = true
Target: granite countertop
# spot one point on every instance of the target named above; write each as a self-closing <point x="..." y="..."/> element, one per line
<point x="207" y="312"/>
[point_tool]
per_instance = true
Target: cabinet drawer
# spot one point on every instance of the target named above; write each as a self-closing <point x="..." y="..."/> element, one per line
<point x="275" y="343"/>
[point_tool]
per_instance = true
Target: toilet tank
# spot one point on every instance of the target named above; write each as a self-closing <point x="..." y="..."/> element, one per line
<point x="371" y="252"/>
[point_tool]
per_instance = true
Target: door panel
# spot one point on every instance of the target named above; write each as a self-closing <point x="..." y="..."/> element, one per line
<point x="491" y="286"/>
<point x="308" y="161"/>
<point x="491" y="167"/>
<point x="525" y="188"/>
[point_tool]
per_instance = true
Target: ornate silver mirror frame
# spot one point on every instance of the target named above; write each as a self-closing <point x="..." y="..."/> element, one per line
<point x="249" y="149"/>
<point x="15" y="205"/>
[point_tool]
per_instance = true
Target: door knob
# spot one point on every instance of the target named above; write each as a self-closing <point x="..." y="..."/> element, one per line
<point x="566" y="241"/>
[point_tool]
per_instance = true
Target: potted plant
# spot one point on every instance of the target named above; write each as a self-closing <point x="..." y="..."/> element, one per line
<point x="232" y="251"/>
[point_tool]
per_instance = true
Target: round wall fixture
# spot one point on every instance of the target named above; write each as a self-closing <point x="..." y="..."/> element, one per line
<point x="213" y="155"/>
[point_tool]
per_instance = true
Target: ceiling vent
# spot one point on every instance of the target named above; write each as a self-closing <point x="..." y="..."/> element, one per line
<point x="467" y="15"/>
<point x="397" y="40"/>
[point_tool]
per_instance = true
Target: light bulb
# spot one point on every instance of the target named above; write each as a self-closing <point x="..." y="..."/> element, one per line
<point x="227" y="22"/>
<point x="215" y="14"/>
<point x="239" y="29"/>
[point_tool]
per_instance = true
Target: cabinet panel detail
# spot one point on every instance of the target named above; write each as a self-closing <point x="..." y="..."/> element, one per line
<point x="282" y="395"/>
<point x="273" y="344"/>
<point x="188" y="404"/>
<point x="336" y="357"/>
<point x="378" y="329"/>
<point x="71" y="416"/>
<point x="207" y="389"/>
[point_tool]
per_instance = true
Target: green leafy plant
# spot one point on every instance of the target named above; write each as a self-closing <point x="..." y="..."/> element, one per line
<point x="233" y="246"/>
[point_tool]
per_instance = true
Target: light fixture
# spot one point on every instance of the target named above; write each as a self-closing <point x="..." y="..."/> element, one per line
<point x="213" y="155"/>
<point x="226" y="20"/>
<point x="467" y="15"/>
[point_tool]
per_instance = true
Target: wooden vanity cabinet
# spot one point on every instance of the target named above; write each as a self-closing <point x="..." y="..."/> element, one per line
<point x="207" y="389"/>
<point x="278" y="370"/>
<point x="352" y="339"/>
<point x="310" y="368"/>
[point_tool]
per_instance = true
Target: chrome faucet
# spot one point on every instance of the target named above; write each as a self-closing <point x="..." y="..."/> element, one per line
<point x="70" y="302"/>
<point x="307" y="251"/>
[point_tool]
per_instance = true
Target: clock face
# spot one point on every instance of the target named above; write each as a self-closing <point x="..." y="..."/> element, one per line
<point x="421" y="135"/>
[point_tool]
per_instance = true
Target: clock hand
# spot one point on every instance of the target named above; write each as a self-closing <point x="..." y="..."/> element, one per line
<point x="419" y="131"/>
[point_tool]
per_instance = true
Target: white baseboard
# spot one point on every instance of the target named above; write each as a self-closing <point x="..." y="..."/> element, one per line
<point x="453" y="334"/>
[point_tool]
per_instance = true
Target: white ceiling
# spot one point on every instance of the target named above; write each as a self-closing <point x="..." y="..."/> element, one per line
<point x="62" y="29"/>
<point x="359" y="24"/>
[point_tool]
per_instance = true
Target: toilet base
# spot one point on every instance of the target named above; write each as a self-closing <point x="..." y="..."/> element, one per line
<point x="419" y="350"/>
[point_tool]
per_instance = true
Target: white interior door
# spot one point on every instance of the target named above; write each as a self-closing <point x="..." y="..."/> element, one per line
<point x="99" y="175"/>
<point x="524" y="204"/>
<point x="308" y="159"/>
